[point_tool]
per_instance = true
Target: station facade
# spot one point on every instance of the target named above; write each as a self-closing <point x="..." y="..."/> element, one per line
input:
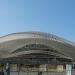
<point x="36" y="52"/>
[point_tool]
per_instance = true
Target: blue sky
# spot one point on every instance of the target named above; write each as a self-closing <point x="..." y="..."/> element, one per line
<point x="51" y="16"/>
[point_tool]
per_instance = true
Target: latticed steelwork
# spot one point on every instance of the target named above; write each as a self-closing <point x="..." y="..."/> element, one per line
<point x="36" y="53"/>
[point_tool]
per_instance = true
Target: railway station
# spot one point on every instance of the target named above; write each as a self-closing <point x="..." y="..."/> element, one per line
<point x="36" y="53"/>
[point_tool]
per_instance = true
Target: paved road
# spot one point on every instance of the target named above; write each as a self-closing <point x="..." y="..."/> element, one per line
<point x="36" y="73"/>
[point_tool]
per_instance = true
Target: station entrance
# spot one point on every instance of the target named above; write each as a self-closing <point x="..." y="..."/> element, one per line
<point x="36" y="66"/>
<point x="36" y="59"/>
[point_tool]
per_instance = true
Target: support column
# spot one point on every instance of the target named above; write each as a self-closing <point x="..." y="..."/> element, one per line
<point x="7" y="68"/>
<point x="68" y="69"/>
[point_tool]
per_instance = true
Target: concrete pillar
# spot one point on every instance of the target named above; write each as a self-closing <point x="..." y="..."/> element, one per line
<point x="7" y="68"/>
<point x="68" y="69"/>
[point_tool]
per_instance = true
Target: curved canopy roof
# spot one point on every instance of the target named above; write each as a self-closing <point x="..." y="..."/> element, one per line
<point x="23" y="43"/>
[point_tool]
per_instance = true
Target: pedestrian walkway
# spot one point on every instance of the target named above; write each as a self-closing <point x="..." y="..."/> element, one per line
<point x="43" y="73"/>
